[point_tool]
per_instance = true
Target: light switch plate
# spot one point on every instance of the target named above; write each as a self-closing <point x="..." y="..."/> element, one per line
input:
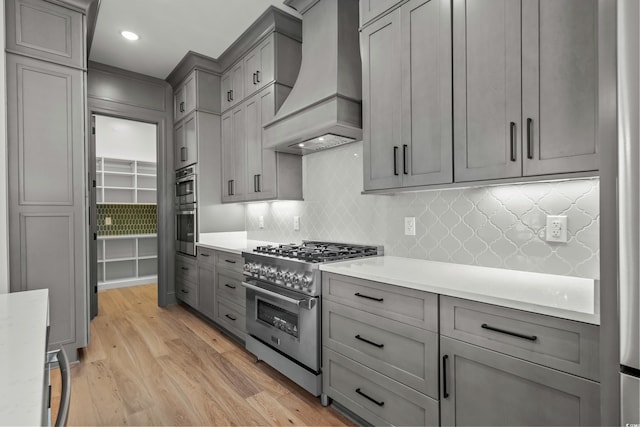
<point x="261" y="221"/>
<point x="296" y="223"/>
<point x="557" y="228"/>
<point x="410" y="226"/>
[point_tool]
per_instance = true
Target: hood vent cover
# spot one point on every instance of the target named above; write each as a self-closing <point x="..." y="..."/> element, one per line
<point x="324" y="108"/>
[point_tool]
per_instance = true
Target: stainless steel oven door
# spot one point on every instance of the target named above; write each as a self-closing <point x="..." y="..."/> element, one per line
<point x="186" y="190"/>
<point x="286" y="321"/>
<point x="186" y="231"/>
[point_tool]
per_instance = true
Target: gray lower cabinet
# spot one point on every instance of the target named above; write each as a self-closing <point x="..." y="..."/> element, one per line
<point x="206" y="284"/>
<point x="230" y="294"/>
<point x="46" y="184"/>
<point x="407" y="85"/>
<point x="187" y="280"/>
<point x="483" y="387"/>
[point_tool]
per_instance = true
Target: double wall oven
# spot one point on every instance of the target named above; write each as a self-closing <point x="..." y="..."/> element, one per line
<point x="186" y="211"/>
<point x="283" y="305"/>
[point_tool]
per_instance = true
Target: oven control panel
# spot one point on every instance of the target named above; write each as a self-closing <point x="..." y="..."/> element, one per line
<point x="295" y="279"/>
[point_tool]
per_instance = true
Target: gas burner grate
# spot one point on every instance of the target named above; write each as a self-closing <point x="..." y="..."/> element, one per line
<point x="316" y="252"/>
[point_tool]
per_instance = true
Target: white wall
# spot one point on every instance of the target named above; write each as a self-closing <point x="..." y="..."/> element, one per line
<point x="4" y="235"/>
<point x="125" y="139"/>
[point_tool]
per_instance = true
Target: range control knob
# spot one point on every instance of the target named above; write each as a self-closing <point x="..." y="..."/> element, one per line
<point x="246" y="266"/>
<point x="281" y="274"/>
<point x="305" y="281"/>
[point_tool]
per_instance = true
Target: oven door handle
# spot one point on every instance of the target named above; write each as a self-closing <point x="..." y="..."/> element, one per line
<point x="307" y="303"/>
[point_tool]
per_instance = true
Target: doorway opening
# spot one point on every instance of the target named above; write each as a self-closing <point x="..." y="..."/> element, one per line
<point x="124" y="217"/>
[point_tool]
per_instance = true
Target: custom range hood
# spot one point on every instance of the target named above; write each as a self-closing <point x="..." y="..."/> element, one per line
<point x="324" y="108"/>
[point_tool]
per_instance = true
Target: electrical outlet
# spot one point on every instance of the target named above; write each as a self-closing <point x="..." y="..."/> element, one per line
<point x="296" y="223"/>
<point x="557" y="228"/>
<point x="261" y="221"/>
<point x="410" y="226"/>
<point x="107" y="220"/>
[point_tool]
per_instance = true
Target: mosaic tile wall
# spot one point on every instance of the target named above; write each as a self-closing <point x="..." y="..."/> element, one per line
<point x="499" y="226"/>
<point x="127" y="219"/>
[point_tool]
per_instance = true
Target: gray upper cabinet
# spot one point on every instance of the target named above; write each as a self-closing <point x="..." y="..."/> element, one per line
<point x="370" y="9"/>
<point x="560" y="86"/>
<point x="198" y="91"/>
<point x="407" y="96"/>
<point x="233" y="155"/>
<point x="232" y="86"/>
<point x="44" y="30"/>
<point x="427" y="149"/>
<point x="487" y="89"/>
<point x="483" y="387"/>
<point x="259" y="66"/>
<point x="47" y="227"/>
<point x="186" y="142"/>
<point x="380" y="47"/>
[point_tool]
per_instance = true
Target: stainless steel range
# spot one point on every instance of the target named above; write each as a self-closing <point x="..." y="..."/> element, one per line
<point x="283" y="286"/>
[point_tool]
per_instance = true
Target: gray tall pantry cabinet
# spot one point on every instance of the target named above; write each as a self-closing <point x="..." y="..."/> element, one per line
<point x="46" y="75"/>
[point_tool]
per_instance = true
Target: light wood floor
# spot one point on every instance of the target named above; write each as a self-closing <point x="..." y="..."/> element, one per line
<point x="165" y="366"/>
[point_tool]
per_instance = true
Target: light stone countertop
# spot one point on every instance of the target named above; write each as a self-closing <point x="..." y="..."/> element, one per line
<point x="24" y="317"/>
<point x="560" y="296"/>
<point x="235" y="242"/>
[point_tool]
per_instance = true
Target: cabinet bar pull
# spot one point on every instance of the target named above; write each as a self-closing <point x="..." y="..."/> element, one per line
<point x="255" y="185"/>
<point x="229" y="261"/>
<point x="529" y="138"/>
<point x="258" y="76"/>
<point x="185" y="292"/>
<point x="228" y="96"/>
<point x="228" y="316"/>
<point x="514" y="334"/>
<point x="205" y="255"/>
<point x="395" y="160"/>
<point x="445" y="392"/>
<point x="182" y="107"/>
<point x="184" y="268"/>
<point x="358" y="337"/>
<point x="404" y="159"/>
<point x="229" y="286"/>
<point x="231" y="94"/>
<point x="183" y="154"/>
<point x="259" y="183"/>
<point x="369" y="397"/>
<point x="232" y="192"/>
<point x="254" y="78"/>
<point x="358" y="294"/>
<point x="512" y="134"/>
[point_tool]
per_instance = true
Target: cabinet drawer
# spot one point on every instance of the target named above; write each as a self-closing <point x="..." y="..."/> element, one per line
<point x="375" y="397"/>
<point x="557" y="343"/>
<point x="405" y="353"/>
<point x="230" y="261"/>
<point x="231" y="316"/>
<point x="186" y="269"/>
<point x="229" y="286"/>
<point x="206" y="256"/>
<point x="188" y="292"/>
<point x="404" y="305"/>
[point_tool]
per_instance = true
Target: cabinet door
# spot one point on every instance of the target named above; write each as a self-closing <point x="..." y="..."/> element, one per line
<point x="46" y="205"/>
<point x="179" y="156"/>
<point x="382" y="95"/>
<point x="225" y="92"/>
<point x="266" y="68"/>
<point x="261" y="164"/>
<point x="482" y="387"/>
<point x="190" y="93"/>
<point x="190" y="142"/>
<point x="233" y="155"/>
<point x="369" y="9"/>
<point x="427" y="151"/>
<point x="486" y="88"/>
<point x="206" y="290"/>
<point x="560" y="85"/>
<point x="178" y="104"/>
<point x="237" y="83"/>
<point x="228" y="162"/>
<point x="251" y="66"/>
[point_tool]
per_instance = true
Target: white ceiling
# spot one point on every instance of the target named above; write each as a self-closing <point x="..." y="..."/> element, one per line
<point x="168" y="29"/>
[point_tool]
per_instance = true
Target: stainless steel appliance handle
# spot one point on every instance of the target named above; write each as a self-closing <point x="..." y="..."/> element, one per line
<point x="307" y="303"/>
<point x="185" y="212"/>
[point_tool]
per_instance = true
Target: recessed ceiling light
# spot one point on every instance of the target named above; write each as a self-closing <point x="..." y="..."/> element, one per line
<point x="301" y="145"/>
<point x="129" y="35"/>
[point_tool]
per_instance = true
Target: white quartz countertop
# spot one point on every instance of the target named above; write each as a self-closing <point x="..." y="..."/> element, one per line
<point x="234" y="242"/>
<point x="560" y="296"/>
<point x="24" y="317"/>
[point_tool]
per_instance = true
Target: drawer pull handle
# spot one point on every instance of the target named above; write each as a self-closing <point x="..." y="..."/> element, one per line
<point x="513" y="334"/>
<point x="358" y="337"/>
<point x="358" y="294"/>
<point x="229" y="286"/>
<point x="185" y="268"/>
<point x="229" y="261"/>
<point x="228" y="316"/>
<point x="205" y="255"/>
<point x="445" y="392"/>
<point x="185" y="292"/>
<point x="369" y="397"/>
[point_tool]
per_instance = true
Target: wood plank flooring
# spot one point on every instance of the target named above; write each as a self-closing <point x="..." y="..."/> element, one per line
<point x="148" y="365"/>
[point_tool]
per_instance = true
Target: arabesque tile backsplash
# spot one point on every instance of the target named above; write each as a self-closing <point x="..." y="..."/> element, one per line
<point x="498" y="226"/>
<point x="127" y="219"/>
